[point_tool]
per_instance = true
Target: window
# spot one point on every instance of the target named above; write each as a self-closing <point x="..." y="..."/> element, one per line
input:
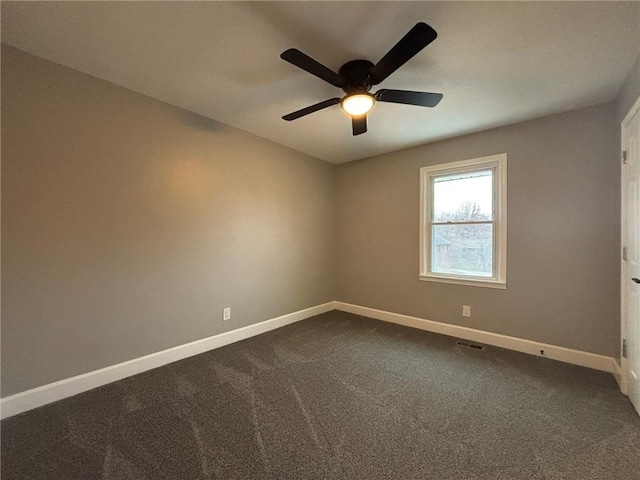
<point x="463" y="222"/>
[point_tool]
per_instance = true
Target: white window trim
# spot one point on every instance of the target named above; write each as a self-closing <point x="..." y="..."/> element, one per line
<point x="499" y="162"/>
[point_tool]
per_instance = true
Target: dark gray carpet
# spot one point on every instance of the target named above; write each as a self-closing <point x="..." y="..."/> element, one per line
<point x="337" y="396"/>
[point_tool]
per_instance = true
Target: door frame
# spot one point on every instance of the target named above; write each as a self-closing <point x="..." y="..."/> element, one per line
<point x="624" y="374"/>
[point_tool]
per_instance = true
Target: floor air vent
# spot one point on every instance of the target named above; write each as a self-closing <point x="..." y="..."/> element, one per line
<point x="469" y="345"/>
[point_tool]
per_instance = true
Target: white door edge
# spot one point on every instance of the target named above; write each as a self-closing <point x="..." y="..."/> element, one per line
<point x="624" y="364"/>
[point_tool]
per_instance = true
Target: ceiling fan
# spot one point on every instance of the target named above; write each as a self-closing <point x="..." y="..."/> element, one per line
<point x="357" y="77"/>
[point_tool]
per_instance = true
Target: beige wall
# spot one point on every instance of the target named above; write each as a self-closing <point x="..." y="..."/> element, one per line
<point x="129" y="224"/>
<point x="563" y="236"/>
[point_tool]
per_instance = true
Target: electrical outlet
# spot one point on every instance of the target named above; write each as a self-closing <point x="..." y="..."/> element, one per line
<point x="226" y="314"/>
<point x="466" y="311"/>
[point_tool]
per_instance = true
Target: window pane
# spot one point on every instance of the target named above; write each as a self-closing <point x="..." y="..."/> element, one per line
<point x="462" y="249"/>
<point x="463" y="197"/>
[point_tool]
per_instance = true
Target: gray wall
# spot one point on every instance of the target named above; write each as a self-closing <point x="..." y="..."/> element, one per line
<point x="129" y="224"/>
<point x="563" y="241"/>
<point x="629" y="91"/>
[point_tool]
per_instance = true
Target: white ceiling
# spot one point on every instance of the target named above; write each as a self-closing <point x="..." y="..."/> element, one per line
<point x="496" y="63"/>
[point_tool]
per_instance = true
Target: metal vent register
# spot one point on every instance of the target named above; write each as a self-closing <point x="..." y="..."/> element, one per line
<point x="470" y="345"/>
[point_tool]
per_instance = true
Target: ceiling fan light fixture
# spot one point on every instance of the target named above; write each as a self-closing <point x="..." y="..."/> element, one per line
<point x="357" y="104"/>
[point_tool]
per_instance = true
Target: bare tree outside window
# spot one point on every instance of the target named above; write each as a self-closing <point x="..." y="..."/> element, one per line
<point x="465" y="248"/>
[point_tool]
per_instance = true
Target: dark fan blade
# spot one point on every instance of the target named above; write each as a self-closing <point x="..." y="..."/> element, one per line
<point x="418" y="37"/>
<point x="311" y="109"/>
<point x="305" y="62"/>
<point x="422" y="99"/>
<point x="359" y="124"/>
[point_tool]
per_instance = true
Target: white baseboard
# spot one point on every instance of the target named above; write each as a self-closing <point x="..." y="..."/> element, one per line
<point x="568" y="355"/>
<point x="37" y="397"/>
<point x="52" y="392"/>
<point x="617" y="374"/>
<point x="623" y="376"/>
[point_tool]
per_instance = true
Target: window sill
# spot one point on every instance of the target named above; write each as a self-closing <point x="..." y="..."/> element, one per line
<point x="464" y="281"/>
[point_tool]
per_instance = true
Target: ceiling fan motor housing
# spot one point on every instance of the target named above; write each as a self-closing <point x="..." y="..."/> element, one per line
<point x="356" y="75"/>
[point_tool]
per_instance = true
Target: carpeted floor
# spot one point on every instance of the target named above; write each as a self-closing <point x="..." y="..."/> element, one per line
<point x="337" y="396"/>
